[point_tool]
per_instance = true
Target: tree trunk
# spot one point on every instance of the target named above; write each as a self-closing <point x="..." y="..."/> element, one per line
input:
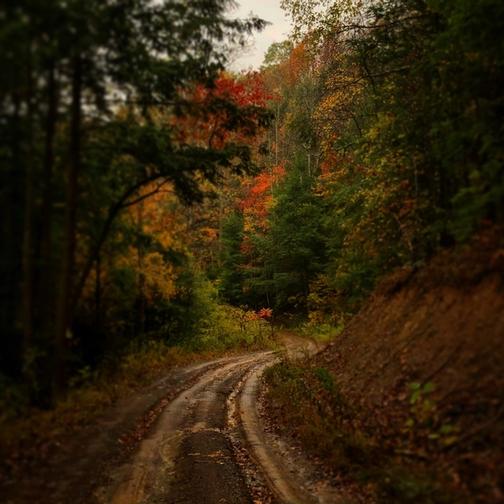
<point x="141" y="274"/>
<point x="113" y="212"/>
<point x="98" y="317"/>
<point x="11" y="251"/>
<point x="46" y="293"/>
<point x="64" y="316"/>
<point x="27" y="294"/>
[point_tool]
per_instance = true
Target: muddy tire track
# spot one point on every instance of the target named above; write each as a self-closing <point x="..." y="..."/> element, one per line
<point x="209" y="446"/>
<point x="204" y="442"/>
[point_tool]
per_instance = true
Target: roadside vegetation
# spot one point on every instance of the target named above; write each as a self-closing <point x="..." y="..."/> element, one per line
<point x="27" y="431"/>
<point x="116" y="131"/>
<point x="392" y="157"/>
<point x="305" y="404"/>
<point x="158" y="209"/>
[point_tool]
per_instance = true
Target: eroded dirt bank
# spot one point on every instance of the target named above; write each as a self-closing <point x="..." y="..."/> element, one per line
<point x="413" y="389"/>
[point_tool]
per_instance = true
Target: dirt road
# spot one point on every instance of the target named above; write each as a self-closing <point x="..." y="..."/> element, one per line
<point x="205" y="444"/>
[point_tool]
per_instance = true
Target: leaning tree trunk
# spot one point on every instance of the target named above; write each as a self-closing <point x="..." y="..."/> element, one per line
<point x="64" y="316"/>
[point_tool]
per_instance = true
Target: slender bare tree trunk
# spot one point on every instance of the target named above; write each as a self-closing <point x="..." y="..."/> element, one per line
<point x="27" y="295"/>
<point x="64" y="317"/>
<point x="45" y="293"/>
<point x="11" y="251"/>
<point x="141" y="274"/>
<point x="98" y="289"/>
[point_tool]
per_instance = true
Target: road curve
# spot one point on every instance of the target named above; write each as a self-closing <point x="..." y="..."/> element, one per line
<point x="208" y="445"/>
<point x="193" y="437"/>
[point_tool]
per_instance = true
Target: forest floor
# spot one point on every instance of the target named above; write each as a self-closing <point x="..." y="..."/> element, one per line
<point x="196" y="436"/>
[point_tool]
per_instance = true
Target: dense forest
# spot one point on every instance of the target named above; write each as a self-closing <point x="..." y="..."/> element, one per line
<point x="103" y="109"/>
<point x="149" y="194"/>
<point x="384" y="148"/>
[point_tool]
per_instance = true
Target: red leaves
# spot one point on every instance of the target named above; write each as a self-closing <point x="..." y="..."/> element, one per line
<point x="248" y="90"/>
<point x="265" y="313"/>
<point x="258" y="198"/>
<point x="214" y="125"/>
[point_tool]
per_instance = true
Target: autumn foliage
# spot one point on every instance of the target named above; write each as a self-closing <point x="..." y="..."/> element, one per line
<point x="221" y="101"/>
<point x="259" y="197"/>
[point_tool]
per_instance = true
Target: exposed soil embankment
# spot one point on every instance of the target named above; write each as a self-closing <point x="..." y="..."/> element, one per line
<point x="412" y="391"/>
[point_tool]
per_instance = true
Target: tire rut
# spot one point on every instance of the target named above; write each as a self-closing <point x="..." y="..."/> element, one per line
<point x="208" y="446"/>
<point x="188" y="454"/>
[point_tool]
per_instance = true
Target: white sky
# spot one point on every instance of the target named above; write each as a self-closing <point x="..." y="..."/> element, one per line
<point x="277" y="31"/>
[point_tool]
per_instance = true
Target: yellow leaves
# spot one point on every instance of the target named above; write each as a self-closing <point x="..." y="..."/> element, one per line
<point x="166" y="240"/>
<point x="383" y="122"/>
<point x="236" y="161"/>
<point x="210" y="232"/>
<point x="160" y="276"/>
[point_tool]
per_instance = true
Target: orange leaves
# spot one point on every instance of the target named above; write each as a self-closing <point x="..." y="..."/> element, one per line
<point x="247" y="90"/>
<point x="259" y="197"/>
<point x="288" y="72"/>
<point x="158" y="228"/>
<point x="265" y="313"/>
<point x="262" y="314"/>
<point x="246" y="247"/>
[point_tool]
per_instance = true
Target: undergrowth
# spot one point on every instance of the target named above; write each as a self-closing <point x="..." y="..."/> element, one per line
<point x="305" y="403"/>
<point x="321" y="331"/>
<point x="223" y="331"/>
<point x="228" y="327"/>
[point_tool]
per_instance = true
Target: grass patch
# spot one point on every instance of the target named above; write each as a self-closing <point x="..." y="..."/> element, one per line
<point x="321" y="331"/>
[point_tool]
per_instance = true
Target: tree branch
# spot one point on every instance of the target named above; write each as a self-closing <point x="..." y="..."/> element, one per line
<point x="113" y="211"/>
<point x="145" y="196"/>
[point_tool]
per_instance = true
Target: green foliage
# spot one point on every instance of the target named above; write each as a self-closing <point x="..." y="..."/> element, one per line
<point x="402" y="111"/>
<point x="293" y="251"/>
<point x="306" y="400"/>
<point x="326" y="379"/>
<point x="90" y="104"/>
<point x="420" y="391"/>
<point x="229" y="327"/>
<point x="218" y="327"/>
<point x="320" y="331"/>
<point x="424" y="419"/>
<point x="196" y="320"/>
<point x="231" y="272"/>
<point x="277" y="53"/>
<point x="398" y="484"/>
<point x="449" y="124"/>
